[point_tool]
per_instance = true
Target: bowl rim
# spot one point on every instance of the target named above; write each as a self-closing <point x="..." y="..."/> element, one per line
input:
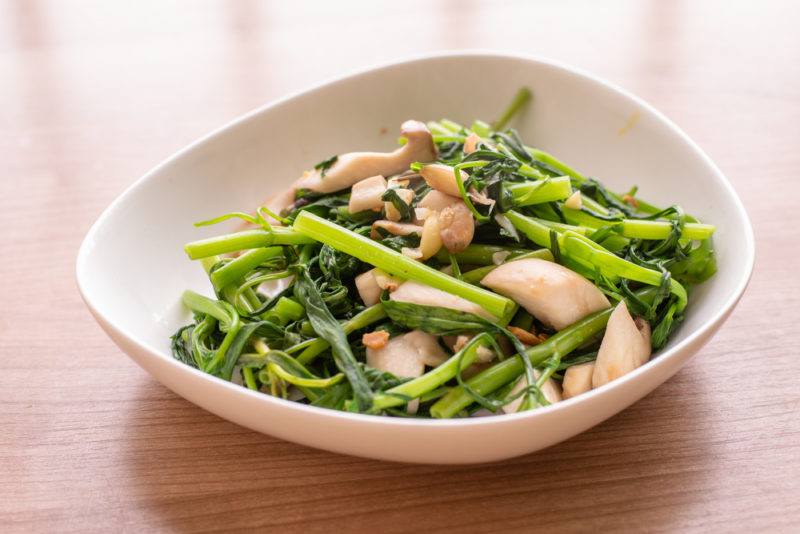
<point x="707" y="326"/>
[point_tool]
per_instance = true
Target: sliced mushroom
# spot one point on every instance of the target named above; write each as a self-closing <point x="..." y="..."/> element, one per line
<point x="396" y="357"/>
<point x="366" y="194"/>
<point x="625" y="346"/>
<point x="550" y="390"/>
<point x="550" y="292"/>
<point x="437" y="201"/>
<point x="395" y="228"/>
<point x="427" y="347"/>
<point x="457" y="227"/>
<point x="442" y="178"/>
<point x="417" y="293"/>
<point x="577" y="379"/>
<point x="430" y="242"/>
<point x="407" y="355"/>
<point x="368" y="288"/>
<point x="471" y="143"/>
<point x="356" y="166"/>
<point x="406" y="195"/>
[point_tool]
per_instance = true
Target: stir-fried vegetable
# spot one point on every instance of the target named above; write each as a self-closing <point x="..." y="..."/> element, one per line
<point x="487" y="273"/>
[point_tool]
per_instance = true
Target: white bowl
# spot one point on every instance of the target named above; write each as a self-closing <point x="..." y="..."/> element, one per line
<point x="131" y="267"/>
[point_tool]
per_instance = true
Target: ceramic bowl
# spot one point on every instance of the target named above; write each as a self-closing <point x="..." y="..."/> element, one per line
<point x="131" y="267"/>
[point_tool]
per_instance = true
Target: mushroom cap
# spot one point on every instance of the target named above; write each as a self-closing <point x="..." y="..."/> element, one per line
<point x="550" y="292"/>
<point x="368" y="288"/>
<point x="407" y="355"/>
<point x="366" y="194"/>
<point x="577" y="379"/>
<point x="352" y="167"/>
<point x="625" y="346"/>
<point x="424" y="295"/>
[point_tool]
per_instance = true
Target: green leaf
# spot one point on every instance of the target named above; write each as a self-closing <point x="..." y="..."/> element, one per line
<point x="399" y="204"/>
<point x="329" y="329"/>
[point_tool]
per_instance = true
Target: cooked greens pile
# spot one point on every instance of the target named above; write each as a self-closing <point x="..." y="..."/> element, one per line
<point x="464" y="272"/>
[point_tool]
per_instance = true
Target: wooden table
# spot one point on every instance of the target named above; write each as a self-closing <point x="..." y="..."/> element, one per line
<point x="96" y="93"/>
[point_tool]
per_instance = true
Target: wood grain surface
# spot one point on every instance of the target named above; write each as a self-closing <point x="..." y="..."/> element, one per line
<point x="93" y="94"/>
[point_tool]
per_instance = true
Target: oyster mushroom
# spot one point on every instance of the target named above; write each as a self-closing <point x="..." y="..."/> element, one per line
<point x="550" y="390"/>
<point x="407" y="355"/>
<point x="366" y="194"/>
<point x="368" y="288"/>
<point x="457" y="227"/>
<point x="417" y="293"/>
<point x="550" y="292"/>
<point x="395" y="228"/>
<point x="625" y="346"/>
<point x="442" y="178"/>
<point x="430" y="242"/>
<point x="437" y="201"/>
<point x="353" y="167"/>
<point x="577" y="379"/>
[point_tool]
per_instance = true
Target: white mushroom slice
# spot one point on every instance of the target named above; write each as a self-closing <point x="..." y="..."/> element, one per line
<point x="408" y="354"/>
<point x="406" y="195"/>
<point x="366" y="194"/>
<point x="550" y="292"/>
<point x="368" y="288"/>
<point x="457" y="227"/>
<point x="420" y="214"/>
<point x="417" y="293"/>
<point x="442" y="178"/>
<point x="437" y="201"/>
<point x="386" y="281"/>
<point x="431" y="240"/>
<point x="575" y="201"/>
<point x="395" y="228"/>
<point x="396" y="357"/>
<point x="625" y="346"/>
<point x="550" y="390"/>
<point x="427" y="347"/>
<point x="577" y="379"/>
<point x="471" y="143"/>
<point x="353" y="167"/>
<point x="413" y="253"/>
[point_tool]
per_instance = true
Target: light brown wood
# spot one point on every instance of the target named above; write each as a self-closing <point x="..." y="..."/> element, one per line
<point x="93" y="94"/>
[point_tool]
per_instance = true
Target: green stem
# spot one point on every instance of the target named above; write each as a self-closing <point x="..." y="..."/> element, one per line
<point x="548" y="190"/>
<point x="477" y="254"/>
<point x="246" y="239"/>
<point x="638" y="228"/>
<point x="396" y="263"/>
<point x="508" y="370"/>
<point x="522" y="97"/>
<point x="239" y="267"/>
